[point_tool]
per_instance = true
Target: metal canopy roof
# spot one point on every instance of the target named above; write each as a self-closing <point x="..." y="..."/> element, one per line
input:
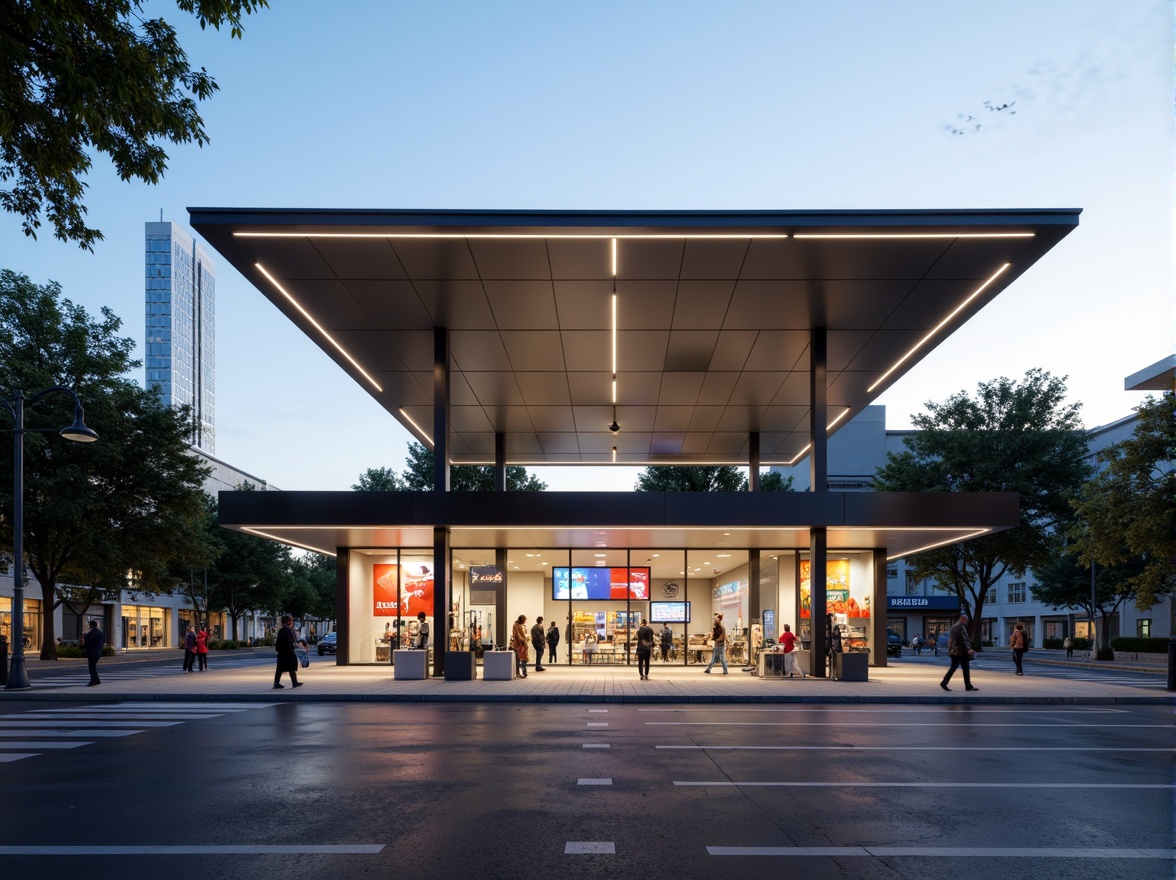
<point x="714" y="314"/>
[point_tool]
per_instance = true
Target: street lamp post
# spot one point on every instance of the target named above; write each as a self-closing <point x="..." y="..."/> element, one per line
<point x="18" y="677"/>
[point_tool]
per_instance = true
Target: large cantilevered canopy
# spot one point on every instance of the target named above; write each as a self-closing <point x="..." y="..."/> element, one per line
<point x="708" y="341"/>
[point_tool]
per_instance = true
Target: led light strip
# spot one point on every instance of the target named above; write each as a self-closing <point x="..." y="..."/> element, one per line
<point x="282" y="540"/>
<point x="798" y="456"/>
<point x="956" y="540"/>
<point x="883" y="235"/>
<point x="519" y="235"/>
<point x="317" y="326"/>
<point x="1004" y="268"/>
<point x="420" y="430"/>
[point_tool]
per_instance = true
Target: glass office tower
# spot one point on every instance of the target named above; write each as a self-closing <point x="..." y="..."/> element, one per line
<point x="181" y="326"/>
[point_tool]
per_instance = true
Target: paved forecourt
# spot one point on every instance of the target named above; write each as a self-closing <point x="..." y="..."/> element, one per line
<point x="911" y="680"/>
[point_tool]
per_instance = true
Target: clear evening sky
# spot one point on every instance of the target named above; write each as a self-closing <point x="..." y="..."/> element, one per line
<point x="645" y="105"/>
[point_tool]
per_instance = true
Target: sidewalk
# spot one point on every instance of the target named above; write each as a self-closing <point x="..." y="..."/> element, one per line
<point x="905" y="680"/>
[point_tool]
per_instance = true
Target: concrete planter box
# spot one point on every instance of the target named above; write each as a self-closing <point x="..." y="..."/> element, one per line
<point x="851" y="667"/>
<point x="410" y="665"/>
<point x="459" y="666"/>
<point x="498" y="666"/>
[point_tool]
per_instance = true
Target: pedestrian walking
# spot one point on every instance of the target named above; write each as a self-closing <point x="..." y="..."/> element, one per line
<point x="422" y="631"/>
<point x="93" y="642"/>
<point x="916" y="645"/>
<point x="1068" y="644"/>
<point x="645" y="637"/>
<point x="518" y="644"/>
<point x="959" y="649"/>
<point x="719" y="652"/>
<point x="788" y="641"/>
<point x="552" y="642"/>
<point x="202" y="648"/>
<point x="539" y="640"/>
<point x="284" y="644"/>
<point x="667" y="642"/>
<point x="189" y="648"/>
<point x="1019" y="642"/>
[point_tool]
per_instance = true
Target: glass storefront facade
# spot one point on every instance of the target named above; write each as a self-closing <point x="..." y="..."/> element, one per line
<point x="598" y="597"/>
<point x="32" y="622"/>
<point x="144" y="626"/>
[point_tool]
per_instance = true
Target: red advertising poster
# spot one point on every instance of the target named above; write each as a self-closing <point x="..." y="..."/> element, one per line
<point x="636" y="586"/>
<point x="837" y="598"/>
<point x="416" y="593"/>
<point x="384" y="590"/>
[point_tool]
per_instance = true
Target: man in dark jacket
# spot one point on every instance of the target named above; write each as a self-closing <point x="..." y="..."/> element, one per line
<point x="284" y="644"/>
<point x="539" y="641"/>
<point x="93" y="642"/>
<point x="552" y="642"/>
<point x="959" y="648"/>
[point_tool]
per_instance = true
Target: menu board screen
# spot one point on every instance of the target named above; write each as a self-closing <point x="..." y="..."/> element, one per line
<point x="600" y="583"/>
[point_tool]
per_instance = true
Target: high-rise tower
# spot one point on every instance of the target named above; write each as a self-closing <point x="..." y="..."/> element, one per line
<point x="181" y="326"/>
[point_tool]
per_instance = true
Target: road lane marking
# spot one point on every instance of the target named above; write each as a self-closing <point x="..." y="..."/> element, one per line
<point x="1099" y="785"/>
<point x="124" y="716"/>
<point x="209" y="849"/>
<point x="89" y="734"/>
<point x="86" y="723"/>
<point x="588" y="847"/>
<point x="598" y="724"/>
<point x="42" y="745"/>
<point x="882" y="710"/>
<point x="593" y="782"/>
<point x="961" y="723"/>
<point x="595" y="745"/>
<point x="16" y="756"/>
<point x="953" y="852"/>
<point x="598" y="710"/>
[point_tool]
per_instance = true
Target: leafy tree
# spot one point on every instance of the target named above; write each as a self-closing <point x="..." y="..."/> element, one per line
<point x="94" y="511"/>
<point x="418" y="476"/>
<point x="1064" y="582"/>
<point x="94" y="76"/>
<point x="378" y="480"/>
<point x="1010" y="438"/>
<point x="314" y="579"/>
<point x="697" y="478"/>
<point x="1127" y="511"/>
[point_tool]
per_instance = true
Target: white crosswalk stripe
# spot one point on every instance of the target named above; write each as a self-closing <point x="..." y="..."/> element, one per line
<point x="28" y="734"/>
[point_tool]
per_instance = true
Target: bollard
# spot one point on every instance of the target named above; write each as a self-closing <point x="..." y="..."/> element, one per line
<point x="4" y="661"/>
<point x="1172" y="663"/>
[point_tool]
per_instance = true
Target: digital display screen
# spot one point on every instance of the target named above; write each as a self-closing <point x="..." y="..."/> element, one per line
<point x="600" y="583"/>
<point x="669" y="612"/>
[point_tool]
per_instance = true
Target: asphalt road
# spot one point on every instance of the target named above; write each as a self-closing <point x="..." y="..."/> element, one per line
<point x="555" y="790"/>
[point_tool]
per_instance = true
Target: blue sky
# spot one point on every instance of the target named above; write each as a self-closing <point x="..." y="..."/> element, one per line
<point x="741" y="105"/>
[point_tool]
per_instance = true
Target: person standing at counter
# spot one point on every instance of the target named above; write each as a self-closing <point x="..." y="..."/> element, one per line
<point x="788" y="642"/>
<point x="667" y="642"/>
<point x="719" y="652"/>
<point x="552" y="642"/>
<point x="539" y="640"/>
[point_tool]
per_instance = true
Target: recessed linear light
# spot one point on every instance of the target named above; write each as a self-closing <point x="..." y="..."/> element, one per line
<point x="953" y="540"/>
<point x="1004" y="268"/>
<point x="614" y="257"/>
<point x="317" y="326"/>
<point x="722" y="555"/>
<point x="495" y="235"/>
<point x="809" y="446"/>
<point x="420" y="430"/>
<point x="282" y="540"/>
<point x="884" y="235"/>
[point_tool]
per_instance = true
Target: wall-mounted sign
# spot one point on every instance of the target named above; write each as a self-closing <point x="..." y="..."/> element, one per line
<point x="923" y="603"/>
<point x="669" y="590"/>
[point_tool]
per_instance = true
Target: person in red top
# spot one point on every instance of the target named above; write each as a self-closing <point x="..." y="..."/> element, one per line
<point x="788" y="640"/>
<point x="202" y="647"/>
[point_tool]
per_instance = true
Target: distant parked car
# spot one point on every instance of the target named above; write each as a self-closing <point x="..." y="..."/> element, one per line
<point x="327" y="644"/>
<point x="893" y="644"/>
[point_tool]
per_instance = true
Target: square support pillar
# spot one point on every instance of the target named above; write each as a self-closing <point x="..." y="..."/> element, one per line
<point x="818" y="574"/>
<point x="499" y="462"/>
<point x="753" y="461"/>
<point x="439" y="638"/>
<point x="878" y="610"/>
<point x="818" y="410"/>
<point x="342" y="605"/>
<point x="440" y="409"/>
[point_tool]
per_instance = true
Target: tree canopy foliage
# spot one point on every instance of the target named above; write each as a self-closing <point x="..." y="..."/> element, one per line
<point x="1011" y="437"/>
<point x="92" y="511"/>
<point x="417" y="476"/>
<point x="94" y="76"/>
<point x="698" y="478"/>
<point x="1126" y="513"/>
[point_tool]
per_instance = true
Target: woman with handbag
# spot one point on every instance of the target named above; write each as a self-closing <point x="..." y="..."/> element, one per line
<point x="202" y="647"/>
<point x="285" y="644"/>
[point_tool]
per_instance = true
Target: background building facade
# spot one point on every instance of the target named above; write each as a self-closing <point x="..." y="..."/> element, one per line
<point x="180" y="341"/>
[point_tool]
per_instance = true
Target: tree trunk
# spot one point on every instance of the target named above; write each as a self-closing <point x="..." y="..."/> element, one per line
<point x="48" y="627"/>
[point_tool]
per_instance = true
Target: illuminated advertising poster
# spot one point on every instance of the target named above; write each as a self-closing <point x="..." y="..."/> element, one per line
<point x="384" y="589"/>
<point x="416" y="594"/>
<point x="837" y="598"/>
<point x="600" y="583"/>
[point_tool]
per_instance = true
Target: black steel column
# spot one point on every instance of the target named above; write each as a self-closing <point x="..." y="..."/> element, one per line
<point x="878" y="609"/>
<point x="499" y="462"/>
<point x="753" y="462"/>
<point x="501" y="624"/>
<point x="440" y="409"/>
<point x="818" y="410"/>
<point x="441" y="598"/>
<point x="754" y="613"/>
<point x="818" y="548"/>
<point x="342" y="607"/>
